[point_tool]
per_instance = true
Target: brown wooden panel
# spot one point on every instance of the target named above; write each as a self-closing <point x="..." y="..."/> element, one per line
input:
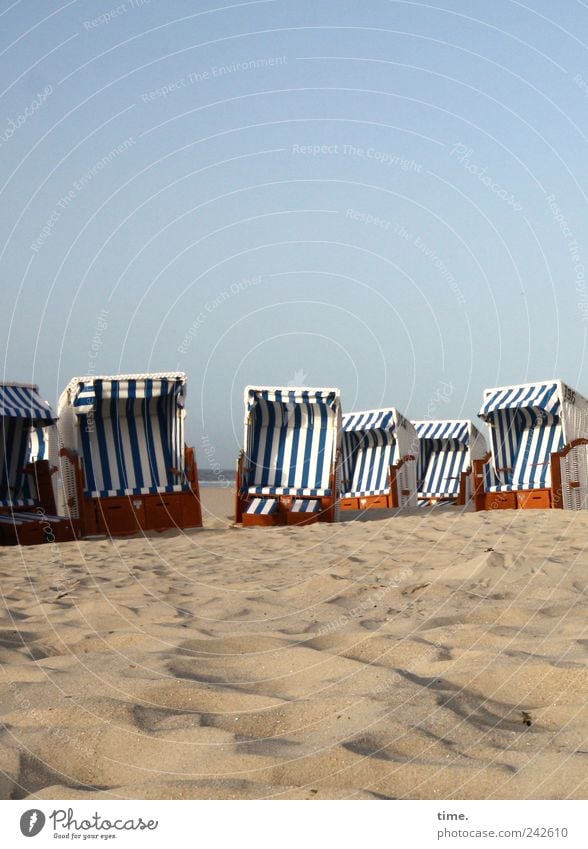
<point x="500" y="501"/>
<point x="259" y="520"/>
<point x="121" y="515"/>
<point x="90" y="517"/>
<point x="40" y="532"/>
<point x="349" y="504"/>
<point x="191" y="510"/>
<point x="537" y="499"/>
<point x="302" y="518"/>
<point x="163" y="511"/>
<point x="373" y="502"/>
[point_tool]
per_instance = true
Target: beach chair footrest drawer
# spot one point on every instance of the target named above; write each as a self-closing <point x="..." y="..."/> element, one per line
<point x="535" y="499"/>
<point x="120" y="515"/>
<point x="303" y="511"/>
<point x="167" y="511"/>
<point x="500" y="501"/>
<point x="36" y="532"/>
<point x="260" y="520"/>
<point x="349" y="504"/>
<point x="262" y="513"/>
<point x="373" y="502"/>
<point x="302" y="518"/>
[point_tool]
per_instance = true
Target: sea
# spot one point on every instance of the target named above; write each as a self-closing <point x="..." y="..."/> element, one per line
<point x="219" y="478"/>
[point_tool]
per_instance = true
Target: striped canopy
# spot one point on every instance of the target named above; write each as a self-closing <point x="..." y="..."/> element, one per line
<point x="541" y="396"/>
<point x="525" y="429"/>
<point x="456" y="430"/>
<point x="290" y="440"/>
<point x="22" y="401"/>
<point x="24" y="418"/>
<point x="16" y="488"/>
<point x="324" y="397"/>
<point x="132" y="433"/>
<point x="369" y="420"/>
<point x="369" y="449"/>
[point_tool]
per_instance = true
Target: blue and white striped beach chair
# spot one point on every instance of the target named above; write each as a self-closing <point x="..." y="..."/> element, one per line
<point x="124" y="464"/>
<point x="528" y="423"/>
<point x="286" y="473"/>
<point x="24" y="418"/>
<point x="27" y="502"/>
<point x="378" y="460"/>
<point x="447" y="449"/>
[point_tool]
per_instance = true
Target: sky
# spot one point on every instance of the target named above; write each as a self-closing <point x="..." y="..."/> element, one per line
<point x="387" y="197"/>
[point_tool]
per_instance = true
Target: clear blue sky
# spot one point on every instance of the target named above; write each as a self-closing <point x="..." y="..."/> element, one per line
<point x="388" y="197"/>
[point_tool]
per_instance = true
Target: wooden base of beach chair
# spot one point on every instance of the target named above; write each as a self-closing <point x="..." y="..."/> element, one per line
<point x="349" y="504"/>
<point x="37" y="524"/>
<point x="127" y="515"/>
<point x="173" y="510"/>
<point x="434" y="500"/>
<point x="284" y="509"/>
<point x="270" y="518"/>
<point x="367" y="502"/>
<point x="375" y="502"/>
<point x="30" y="529"/>
<point x="284" y="515"/>
<point x="302" y="518"/>
<point x="528" y="499"/>
<point x="253" y="520"/>
<point x="116" y="516"/>
<point x="62" y="531"/>
<point x="389" y="501"/>
<point x="497" y="501"/>
<point x="19" y="533"/>
<point x="534" y="499"/>
<point x="524" y="499"/>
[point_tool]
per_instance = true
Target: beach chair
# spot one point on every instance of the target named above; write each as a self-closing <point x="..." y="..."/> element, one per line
<point x="532" y="426"/>
<point x="569" y="476"/>
<point x="287" y="471"/>
<point x="447" y="449"/>
<point x="378" y="467"/>
<point x="124" y="465"/>
<point x="28" y="513"/>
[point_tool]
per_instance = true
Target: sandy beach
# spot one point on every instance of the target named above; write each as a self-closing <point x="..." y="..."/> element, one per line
<point x="436" y="654"/>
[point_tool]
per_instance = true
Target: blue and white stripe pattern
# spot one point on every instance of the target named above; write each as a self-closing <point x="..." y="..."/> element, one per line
<point x="290" y="441"/>
<point x="85" y="399"/>
<point x="262" y="506"/>
<point x="16" y="488"/>
<point x="24" y="402"/>
<point x="370" y="420"/>
<point x="369" y="449"/>
<point x="24" y="416"/>
<point x="132" y="434"/>
<point x="38" y="444"/>
<point x="305" y="505"/>
<point x="525" y="430"/>
<point x="443" y="456"/>
<point x="541" y="396"/>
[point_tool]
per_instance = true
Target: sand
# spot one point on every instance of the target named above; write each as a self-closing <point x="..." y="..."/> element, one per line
<point x="436" y="654"/>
